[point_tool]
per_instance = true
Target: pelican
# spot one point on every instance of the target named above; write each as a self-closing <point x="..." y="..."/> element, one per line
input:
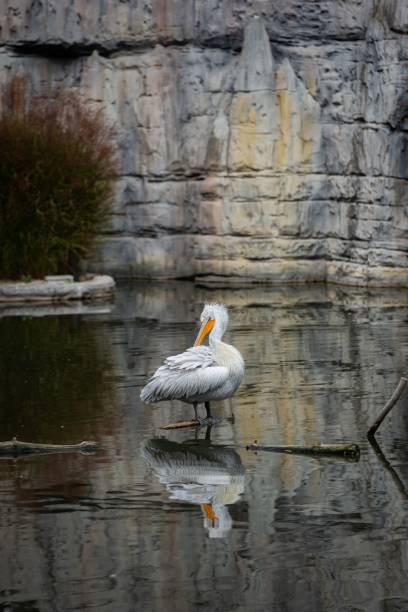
<point x="201" y="374"/>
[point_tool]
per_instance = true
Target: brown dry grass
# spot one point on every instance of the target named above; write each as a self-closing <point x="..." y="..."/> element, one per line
<point x="57" y="165"/>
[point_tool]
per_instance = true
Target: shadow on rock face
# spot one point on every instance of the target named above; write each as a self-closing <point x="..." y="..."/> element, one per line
<point x="212" y="477"/>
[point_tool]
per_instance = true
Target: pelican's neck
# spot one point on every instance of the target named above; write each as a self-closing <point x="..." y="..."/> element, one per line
<point x="216" y="333"/>
<point x="227" y="355"/>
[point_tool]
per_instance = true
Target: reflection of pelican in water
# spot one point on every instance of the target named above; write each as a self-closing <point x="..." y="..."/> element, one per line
<point x="210" y="476"/>
<point x="202" y="373"/>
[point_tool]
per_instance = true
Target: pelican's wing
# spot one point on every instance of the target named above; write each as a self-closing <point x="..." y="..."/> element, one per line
<point x="191" y="359"/>
<point x="184" y="376"/>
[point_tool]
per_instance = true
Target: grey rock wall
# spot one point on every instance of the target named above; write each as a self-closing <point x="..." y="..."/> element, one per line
<point x="259" y="141"/>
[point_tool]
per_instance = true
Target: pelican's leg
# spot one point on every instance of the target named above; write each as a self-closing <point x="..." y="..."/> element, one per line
<point x="208" y="433"/>
<point x="210" y="419"/>
<point x="195" y="411"/>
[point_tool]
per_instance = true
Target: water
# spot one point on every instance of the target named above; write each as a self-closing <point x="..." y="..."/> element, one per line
<point x="184" y="524"/>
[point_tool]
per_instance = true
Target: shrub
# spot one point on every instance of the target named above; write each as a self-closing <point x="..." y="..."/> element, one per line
<point x="56" y="177"/>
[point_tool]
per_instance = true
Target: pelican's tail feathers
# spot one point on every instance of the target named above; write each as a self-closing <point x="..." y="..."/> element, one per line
<point x="155" y="391"/>
<point x="147" y="394"/>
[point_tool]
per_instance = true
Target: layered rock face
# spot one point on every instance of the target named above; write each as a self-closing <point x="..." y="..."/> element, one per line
<point x="259" y="141"/>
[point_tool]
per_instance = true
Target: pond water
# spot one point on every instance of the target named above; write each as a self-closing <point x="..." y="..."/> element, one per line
<point x="183" y="520"/>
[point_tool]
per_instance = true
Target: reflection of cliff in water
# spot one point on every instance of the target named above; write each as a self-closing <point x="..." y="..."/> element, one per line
<point x="209" y="476"/>
<point x="82" y="531"/>
<point x="311" y="353"/>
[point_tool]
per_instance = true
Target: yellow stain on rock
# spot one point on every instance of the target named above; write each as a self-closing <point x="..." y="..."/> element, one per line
<point x="297" y="132"/>
<point x="307" y="132"/>
<point x="243" y="111"/>
<point x="243" y="132"/>
<point x="285" y="135"/>
<point x="298" y="120"/>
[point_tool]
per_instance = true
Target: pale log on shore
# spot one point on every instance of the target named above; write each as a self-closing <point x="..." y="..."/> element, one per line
<point x="390" y="404"/>
<point x="339" y="450"/>
<point x="15" y="447"/>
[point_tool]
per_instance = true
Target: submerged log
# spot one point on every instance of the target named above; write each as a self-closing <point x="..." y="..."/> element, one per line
<point x="339" y="450"/>
<point x="348" y="451"/>
<point x="388" y="406"/>
<point x="181" y="425"/>
<point x="15" y="447"/>
<point x="201" y="422"/>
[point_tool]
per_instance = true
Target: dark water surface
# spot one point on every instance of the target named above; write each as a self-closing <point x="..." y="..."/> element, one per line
<point x="181" y="524"/>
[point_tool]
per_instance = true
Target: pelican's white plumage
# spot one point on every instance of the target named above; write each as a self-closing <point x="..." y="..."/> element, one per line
<point x="201" y="373"/>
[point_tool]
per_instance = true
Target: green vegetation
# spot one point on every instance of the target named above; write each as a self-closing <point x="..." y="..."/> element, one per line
<point x="56" y="175"/>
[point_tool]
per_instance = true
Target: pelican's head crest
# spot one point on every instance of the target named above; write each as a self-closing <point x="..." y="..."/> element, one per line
<point x="215" y="311"/>
<point x="213" y="318"/>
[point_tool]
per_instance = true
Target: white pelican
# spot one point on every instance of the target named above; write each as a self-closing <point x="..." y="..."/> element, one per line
<point x="201" y="374"/>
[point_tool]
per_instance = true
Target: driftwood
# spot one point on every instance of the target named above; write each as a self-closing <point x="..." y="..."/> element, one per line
<point x="338" y="450"/>
<point x="388" y="406"/>
<point x="181" y="425"/>
<point x="376" y="447"/>
<point x="15" y="447"/>
<point x="206" y="422"/>
<point x="387" y="465"/>
<point x="347" y="451"/>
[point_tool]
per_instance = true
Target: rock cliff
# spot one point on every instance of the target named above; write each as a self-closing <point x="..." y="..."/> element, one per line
<point x="259" y="141"/>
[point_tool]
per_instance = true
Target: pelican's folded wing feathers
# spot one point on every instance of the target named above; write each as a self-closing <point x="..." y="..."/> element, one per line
<point x="186" y="375"/>
<point x="191" y="359"/>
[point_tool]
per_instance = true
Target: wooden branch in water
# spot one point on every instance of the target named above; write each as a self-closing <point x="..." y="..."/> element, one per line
<point x="347" y="451"/>
<point x="339" y="450"/>
<point x="390" y="404"/>
<point x="387" y="465"/>
<point x="206" y="422"/>
<point x="15" y="447"/>
<point x="181" y="425"/>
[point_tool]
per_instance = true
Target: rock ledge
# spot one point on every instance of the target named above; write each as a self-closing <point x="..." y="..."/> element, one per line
<point x="97" y="287"/>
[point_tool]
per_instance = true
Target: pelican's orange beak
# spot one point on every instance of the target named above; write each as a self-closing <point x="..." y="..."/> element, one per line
<point x="209" y="513"/>
<point x="205" y="329"/>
